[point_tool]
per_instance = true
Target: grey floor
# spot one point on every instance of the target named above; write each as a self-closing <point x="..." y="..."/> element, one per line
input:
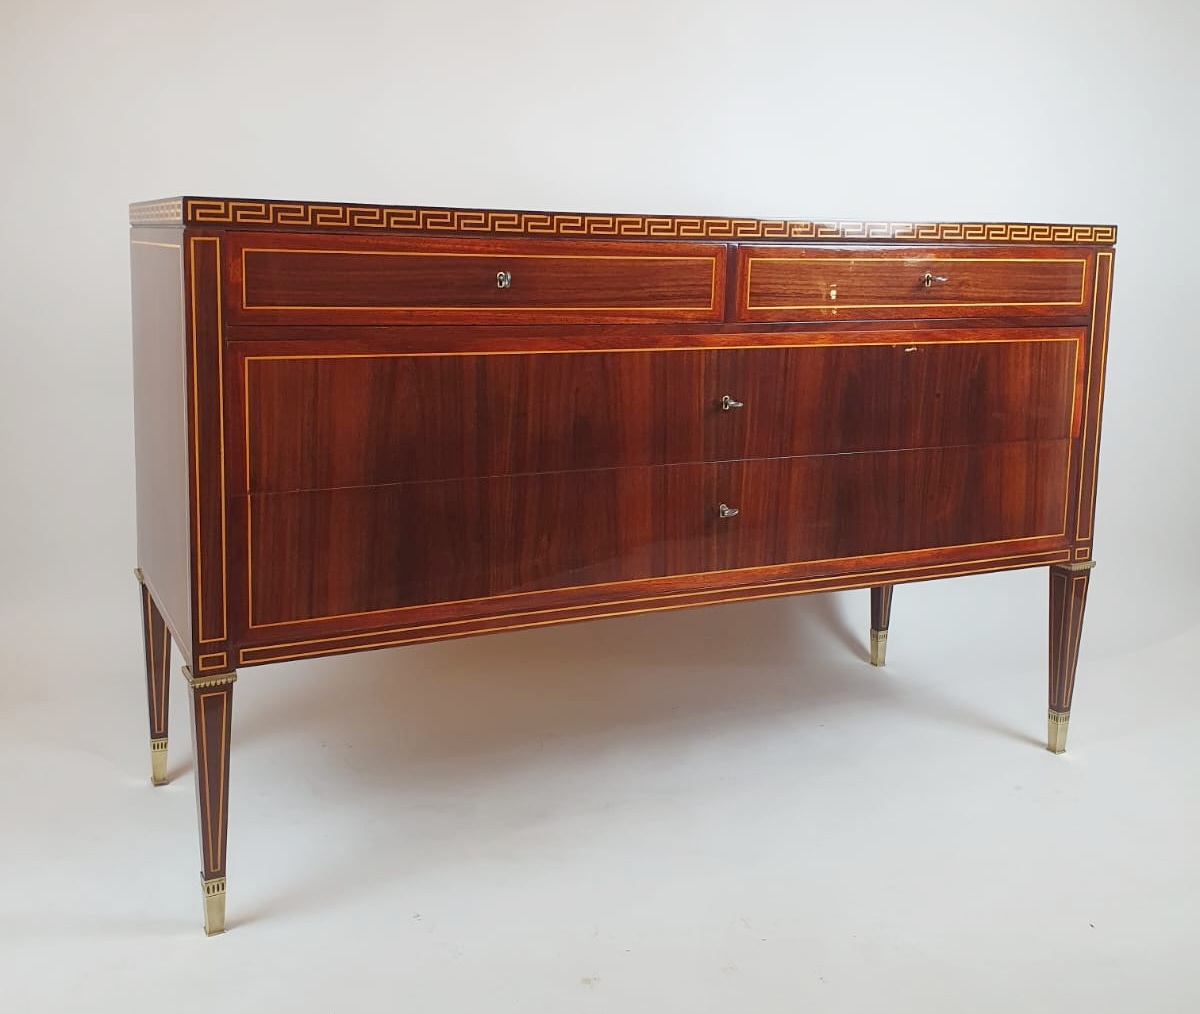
<point x="722" y="809"/>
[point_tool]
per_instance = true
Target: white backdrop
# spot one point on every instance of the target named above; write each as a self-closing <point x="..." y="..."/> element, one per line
<point x="1042" y="110"/>
<point x="726" y="809"/>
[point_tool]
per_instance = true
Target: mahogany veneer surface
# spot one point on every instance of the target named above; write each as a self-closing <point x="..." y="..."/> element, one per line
<point x="359" y="426"/>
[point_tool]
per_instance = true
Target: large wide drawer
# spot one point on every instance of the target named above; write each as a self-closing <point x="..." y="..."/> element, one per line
<point x="789" y="283"/>
<point x="329" y="420"/>
<point x="280" y="278"/>
<point x="370" y="550"/>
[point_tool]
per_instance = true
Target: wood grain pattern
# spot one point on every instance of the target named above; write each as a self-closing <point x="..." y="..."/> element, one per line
<point x="211" y="705"/>
<point x="342" y="280"/>
<point x="206" y="443"/>
<point x="156" y="644"/>
<point x="806" y="283"/>
<point x="380" y="548"/>
<point x="347" y="635"/>
<point x="881" y="606"/>
<point x="1068" y="597"/>
<point x="341" y="419"/>
<point x="361" y="426"/>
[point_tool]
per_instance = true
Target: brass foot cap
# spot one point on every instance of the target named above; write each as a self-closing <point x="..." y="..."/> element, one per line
<point x="214" y="906"/>
<point x="1056" y="731"/>
<point x="879" y="647"/>
<point x="158" y="761"/>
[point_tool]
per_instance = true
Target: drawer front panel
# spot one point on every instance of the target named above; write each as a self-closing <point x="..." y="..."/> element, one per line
<point x="327" y="421"/>
<point x="369" y="420"/>
<point x="416" y="543"/>
<point x="339" y="280"/>
<point x="829" y="399"/>
<point x="834" y="507"/>
<point x="811" y="283"/>
<point x="378" y="549"/>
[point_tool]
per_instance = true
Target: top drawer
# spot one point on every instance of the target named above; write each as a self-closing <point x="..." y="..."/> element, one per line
<point x="275" y="278"/>
<point x="831" y="283"/>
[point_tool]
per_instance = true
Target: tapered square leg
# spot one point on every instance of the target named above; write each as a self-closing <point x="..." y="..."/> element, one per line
<point x="1068" y="596"/>
<point x="212" y="709"/>
<point x="881" y="615"/>
<point x="156" y="639"/>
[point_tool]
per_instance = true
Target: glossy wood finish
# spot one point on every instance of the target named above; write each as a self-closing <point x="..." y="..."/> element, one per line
<point x="335" y="280"/>
<point x="1068" y="597"/>
<point x="350" y="419"/>
<point x="380" y="548"/>
<point x="206" y="454"/>
<point x="335" y="420"/>
<point x="881" y="606"/>
<point x="881" y="616"/>
<point x="350" y="437"/>
<point x="795" y="283"/>
<point x="211" y="705"/>
<point x="156" y="642"/>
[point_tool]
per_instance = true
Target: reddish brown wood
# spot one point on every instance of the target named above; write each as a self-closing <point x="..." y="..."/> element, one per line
<point x="1093" y="410"/>
<point x="815" y="283"/>
<point x="296" y="642"/>
<point x="868" y="397"/>
<point x="283" y="279"/>
<point x="329" y="420"/>
<point x="1068" y="596"/>
<point x="349" y="436"/>
<point x="382" y="548"/>
<point x="156" y="642"/>
<point x="881" y="606"/>
<point x="205" y="451"/>
<point x="211" y="703"/>
<point x="332" y="418"/>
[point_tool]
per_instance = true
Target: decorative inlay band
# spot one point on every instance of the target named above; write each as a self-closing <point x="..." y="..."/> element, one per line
<point x="378" y="217"/>
<point x="168" y="212"/>
<point x="217" y="660"/>
<point x="204" y="682"/>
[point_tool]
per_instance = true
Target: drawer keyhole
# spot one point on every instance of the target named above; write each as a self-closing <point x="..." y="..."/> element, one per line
<point x="728" y="403"/>
<point x="503" y="279"/>
<point x="725" y="511"/>
<point x="929" y="278"/>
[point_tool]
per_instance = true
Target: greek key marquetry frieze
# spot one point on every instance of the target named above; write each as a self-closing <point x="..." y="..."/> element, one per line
<point x="385" y="218"/>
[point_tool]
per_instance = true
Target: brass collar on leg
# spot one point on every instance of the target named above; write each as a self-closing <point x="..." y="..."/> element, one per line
<point x="214" y="905"/>
<point x="1056" y="731"/>
<point x="158" y="761"/>
<point x="878" y="647"/>
<point x="203" y="682"/>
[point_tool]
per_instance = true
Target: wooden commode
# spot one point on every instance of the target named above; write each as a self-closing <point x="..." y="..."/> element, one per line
<point x="361" y="426"/>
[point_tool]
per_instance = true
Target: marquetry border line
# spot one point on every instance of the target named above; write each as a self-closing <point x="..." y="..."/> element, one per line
<point x="375" y="217"/>
<point x="216" y="340"/>
<point x="370" y="640"/>
<point x="1072" y="377"/>
<point x="1101" y="309"/>
<point x="215" y="660"/>
<point x="158" y="703"/>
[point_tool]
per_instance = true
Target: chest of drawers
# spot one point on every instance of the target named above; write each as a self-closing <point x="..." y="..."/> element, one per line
<point x="364" y="426"/>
